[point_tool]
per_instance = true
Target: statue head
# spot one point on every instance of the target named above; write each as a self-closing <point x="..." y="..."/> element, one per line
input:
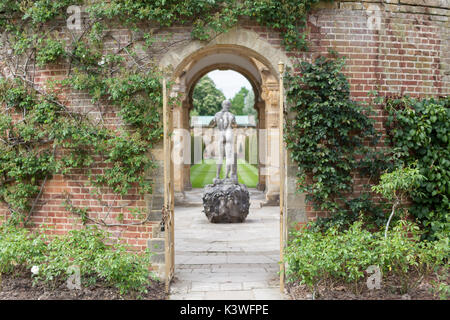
<point x="226" y="105"/>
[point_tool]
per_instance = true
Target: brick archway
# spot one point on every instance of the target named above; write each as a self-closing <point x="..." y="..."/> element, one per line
<point x="242" y="51"/>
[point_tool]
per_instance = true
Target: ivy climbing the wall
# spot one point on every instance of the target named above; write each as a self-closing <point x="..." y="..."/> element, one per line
<point x="332" y="139"/>
<point x="40" y="136"/>
<point x="419" y="132"/>
<point x="212" y="17"/>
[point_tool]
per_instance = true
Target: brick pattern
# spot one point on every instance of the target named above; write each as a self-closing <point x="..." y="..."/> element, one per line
<point x="404" y="49"/>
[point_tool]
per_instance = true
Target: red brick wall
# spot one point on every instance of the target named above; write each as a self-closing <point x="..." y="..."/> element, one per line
<point x="407" y="51"/>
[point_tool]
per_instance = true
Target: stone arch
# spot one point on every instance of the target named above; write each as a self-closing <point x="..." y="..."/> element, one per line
<point x="245" y="52"/>
<point x="223" y="66"/>
<point x="236" y="37"/>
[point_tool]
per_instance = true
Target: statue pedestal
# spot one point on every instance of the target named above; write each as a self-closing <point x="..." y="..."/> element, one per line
<point x="226" y="201"/>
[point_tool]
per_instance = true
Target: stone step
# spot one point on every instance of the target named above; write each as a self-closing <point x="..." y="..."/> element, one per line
<point x="192" y="204"/>
<point x="256" y="204"/>
<point x="228" y="265"/>
<point x="228" y="253"/>
<point x="193" y="198"/>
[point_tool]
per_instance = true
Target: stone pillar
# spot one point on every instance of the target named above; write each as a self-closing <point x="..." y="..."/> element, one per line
<point x="189" y="149"/>
<point x="271" y="168"/>
<point x="295" y="202"/>
<point x="260" y="105"/>
<point x="155" y="200"/>
<point x="181" y="153"/>
<point x="178" y="150"/>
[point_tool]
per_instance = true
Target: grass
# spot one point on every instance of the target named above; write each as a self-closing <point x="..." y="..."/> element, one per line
<point x="204" y="173"/>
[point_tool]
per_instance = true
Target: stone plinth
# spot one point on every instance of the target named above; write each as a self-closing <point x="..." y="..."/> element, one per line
<point x="226" y="201"/>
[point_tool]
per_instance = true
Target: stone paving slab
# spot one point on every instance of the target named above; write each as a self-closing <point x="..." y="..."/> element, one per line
<point x="226" y="261"/>
<point x="248" y="285"/>
<point x="230" y="295"/>
<point x="268" y="294"/>
<point x="255" y="294"/>
<point x="204" y="286"/>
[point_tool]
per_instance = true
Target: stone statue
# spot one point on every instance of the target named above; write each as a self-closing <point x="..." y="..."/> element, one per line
<point x="226" y="201"/>
<point x="225" y="122"/>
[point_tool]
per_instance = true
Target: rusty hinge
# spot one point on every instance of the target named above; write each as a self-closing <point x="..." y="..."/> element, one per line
<point x="164" y="217"/>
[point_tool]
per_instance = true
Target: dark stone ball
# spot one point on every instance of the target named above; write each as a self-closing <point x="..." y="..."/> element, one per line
<point x="226" y="202"/>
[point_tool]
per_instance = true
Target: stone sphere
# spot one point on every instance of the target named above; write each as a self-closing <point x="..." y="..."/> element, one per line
<point x="226" y="202"/>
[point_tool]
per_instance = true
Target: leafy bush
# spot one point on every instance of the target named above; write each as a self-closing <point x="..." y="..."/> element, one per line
<point x="19" y="248"/>
<point x="397" y="185"/>
<point x="315" y="258"/>
<point x="373" y="217"/>
<point x="419" y="132"/>
<point x="86" y="248"/>
<point x="441" y="287"/>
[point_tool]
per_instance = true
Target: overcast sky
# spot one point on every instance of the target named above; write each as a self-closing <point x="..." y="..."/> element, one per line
<point x="229" y="81"/>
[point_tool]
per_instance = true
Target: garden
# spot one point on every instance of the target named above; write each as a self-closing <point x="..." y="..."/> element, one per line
<point x="36" y="266"/>
<point x="204" y="173"/>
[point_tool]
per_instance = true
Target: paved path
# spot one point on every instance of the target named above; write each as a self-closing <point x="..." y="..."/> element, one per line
<point x="226" y="261"/>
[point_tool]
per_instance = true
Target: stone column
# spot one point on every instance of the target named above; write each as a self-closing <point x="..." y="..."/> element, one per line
<point x="155" y="200"/>
<point x="294" y="201"/>
<point x="180" y="152"/>
<point x="188" y="150"/>
<point x="260" y="105"/>
<point x="271" y="168"/>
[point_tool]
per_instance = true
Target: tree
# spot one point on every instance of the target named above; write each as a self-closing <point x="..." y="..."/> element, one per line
<point x="397" y="185"/>
<point x="206" y="98"/>
<point x="249" y="104"/>
<point x="238" y="102"/>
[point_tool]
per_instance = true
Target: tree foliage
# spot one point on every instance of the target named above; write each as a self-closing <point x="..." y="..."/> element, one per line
<point x="206" y="98"/>
<point x="238" y="101"/>
<point x="249" y="104"/>
<point x="395" y="186"/>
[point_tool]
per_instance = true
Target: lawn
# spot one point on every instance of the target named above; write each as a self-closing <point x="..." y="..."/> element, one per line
<point x="204" y="173"/>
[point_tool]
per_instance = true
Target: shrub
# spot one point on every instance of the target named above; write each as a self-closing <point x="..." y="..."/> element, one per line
<point x="419" y="132"/>
<point x="315" y="258"/>
<point x="86" y="248"/>
<point x="19" y="248"/>
<point x="395" y="186"/>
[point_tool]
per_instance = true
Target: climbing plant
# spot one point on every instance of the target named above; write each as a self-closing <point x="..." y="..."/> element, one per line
<point x="419" y="132"/>
<point x="212" y="17"/>
<point x="332" y="139"/>
<point x="42" y="135"/>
